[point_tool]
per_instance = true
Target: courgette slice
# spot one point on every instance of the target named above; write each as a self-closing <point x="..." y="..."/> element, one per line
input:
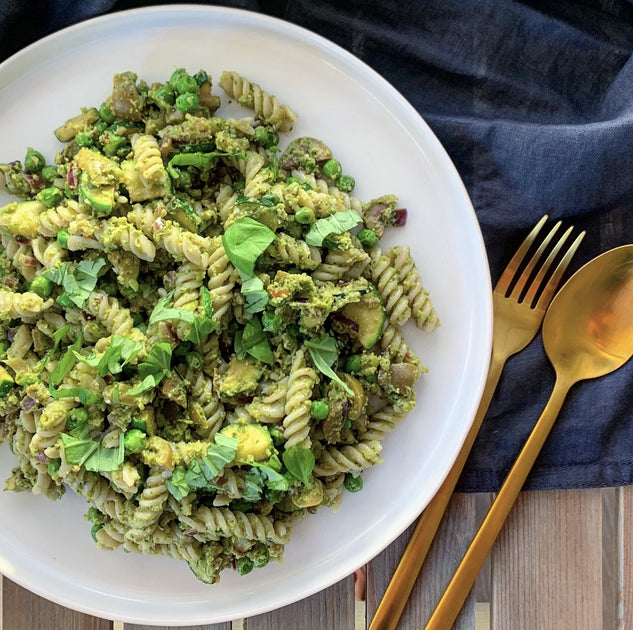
<point x="99" y="198"/>
<point x="369" y="316"/>
<point x="6" y="382"/>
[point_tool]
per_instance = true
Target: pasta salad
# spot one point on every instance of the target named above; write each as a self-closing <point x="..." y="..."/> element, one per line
<point x="200" y="333"/>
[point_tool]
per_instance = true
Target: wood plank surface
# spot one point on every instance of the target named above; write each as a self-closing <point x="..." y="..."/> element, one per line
<point x="453" y="538"/>
<point x="563" y="561"/>
<point x="547" y="563"/>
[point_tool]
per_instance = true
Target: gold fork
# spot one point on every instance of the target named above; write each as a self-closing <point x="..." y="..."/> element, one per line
<point x="518" y="309"/>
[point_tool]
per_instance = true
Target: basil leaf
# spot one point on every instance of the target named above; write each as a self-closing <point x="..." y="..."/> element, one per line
<point x="148" y="383"/>
<point x="204" y="324"/>
<point x="156" y="366"/>
<point x="272" y="478"/>
<point x="218" y="456"/>
<point x="77" y="449"/>
<point x="299" y="461"/>
<point x="244" y="241"/>
<point x="177" y="483"/>
<point x="336" y="223"/>
<point x="197" y="160"/>
<point x="65" y="364"/>
<point x="253" y="341"/>
<point x="106" y="459"/>
<point x="57" y="337"/>
<point x="81" y="282"/>
<point x="255" y="294"/>
<point x="84" y="395"/>
<point x="162" y="312"/>
<point x="324" y="352"/>
<point x="118" y="354"/>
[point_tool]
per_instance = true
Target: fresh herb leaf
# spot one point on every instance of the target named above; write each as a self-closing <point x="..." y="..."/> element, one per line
<point x="65" y="364"/>
<point x="299" y="461"/>
<point x="156" y="366"/>
<point x="244" y="241"/>
<point x="58" y="335"/>
<point x="218" y="456"/>
<point x="200" y="473"/>
<point x="163" y="312"/>
<point x="177" y="483"/>
<point x="267" y="201"/>
<point x="324" y="353"/>
<point x="252" y="340"/>
<point x="93" y="456"/>
<point x="203" y="324"/>
<point x="84" y="395"/>
<point x="118" y="354"/>
<point x="77" y="284"/>
<point x="336" y="223"/>
<point x="197" y="160"/>
<point x="255" y="294"/>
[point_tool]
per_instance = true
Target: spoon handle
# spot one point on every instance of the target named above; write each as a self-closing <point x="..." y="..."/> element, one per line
<point x="464" y="578"/>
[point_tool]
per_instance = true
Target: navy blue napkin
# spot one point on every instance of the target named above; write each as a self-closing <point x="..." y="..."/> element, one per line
<point x="534" y="103"/>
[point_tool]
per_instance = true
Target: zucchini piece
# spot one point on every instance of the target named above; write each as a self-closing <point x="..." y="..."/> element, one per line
<point x="6" y="382"/>
<point x="99" y="198"/>
<point x="369" y="315"/>
<point x="73" y="126"/>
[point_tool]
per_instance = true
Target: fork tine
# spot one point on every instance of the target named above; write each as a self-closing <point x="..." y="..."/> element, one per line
<point x="529" y="268"/>
<point x="538" y="279"/>
<point x="552" y="284"/>
<point x="504" y="281"/>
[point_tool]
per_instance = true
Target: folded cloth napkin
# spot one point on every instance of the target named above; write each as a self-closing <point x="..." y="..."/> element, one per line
<point x="534" y="103"/>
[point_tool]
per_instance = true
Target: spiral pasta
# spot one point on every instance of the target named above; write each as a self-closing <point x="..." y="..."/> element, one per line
<point x="199" y="331"/>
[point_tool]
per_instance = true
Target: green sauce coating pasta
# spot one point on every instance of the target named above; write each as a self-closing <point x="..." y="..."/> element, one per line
<point x="185" y="275"/>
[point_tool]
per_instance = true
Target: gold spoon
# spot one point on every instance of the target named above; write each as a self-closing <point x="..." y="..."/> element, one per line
<point x="587" y="333"/>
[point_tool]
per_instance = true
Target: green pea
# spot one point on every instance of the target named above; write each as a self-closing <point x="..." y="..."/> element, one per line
<point x="34" y="161"/>
<point x="260" y="555"/>
<point x="187" y="103"/>
<point x="319" y="409"/>
<point x="139" y="424"/>
<point x="273" y="141"/>
<point x="277" y="435"/>
<point x="50" y="196"/>
<point x="49" y="173"/>
<point x="293" y="180"/>
<point x="174" y="78"/>
<point x="53" y="466"/>
<point x="83" y="139"/>
<point x="186" y="84"/>
<point x="106" y="114"/>
<point x="110" y="289"/>
<point x="261" y="135"/>
<point x="194" y="360"/>
<point x="42" y="286"/>
<point x="332" y="169"/>
<point x="76" y="417"/>
<point x="353" y="364"/>
<point x="64" y="300"/>
<point x="244" y="565"/>
<point x="164" y="96"/>
<point x="101" y="126"/>
<point x="304" y="215"/>
<point x="201" y="77"/>
<point x="345" y="183"/>
<point x="134" y="441"/>
<point x="112" y="144"/>
<point x="367" y="238"/>
<point x="62" y="238"/>
<point x="353" y="483"/>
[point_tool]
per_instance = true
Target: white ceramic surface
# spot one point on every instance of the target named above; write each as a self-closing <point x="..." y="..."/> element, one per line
<point x="381" y="140"/>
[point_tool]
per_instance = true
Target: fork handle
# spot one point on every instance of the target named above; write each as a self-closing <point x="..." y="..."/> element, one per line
<point x="464" y="578"/>
<point x="395" y="598"/>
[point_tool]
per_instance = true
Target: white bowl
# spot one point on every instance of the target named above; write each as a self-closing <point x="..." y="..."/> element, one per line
<point x="383" y="142"/>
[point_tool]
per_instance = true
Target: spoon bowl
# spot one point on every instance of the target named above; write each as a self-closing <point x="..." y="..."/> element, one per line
<point x="588" y="328"/>
<point x="587" y="333"/>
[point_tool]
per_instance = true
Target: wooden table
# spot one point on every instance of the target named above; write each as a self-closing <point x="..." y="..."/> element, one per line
<point x="564" y="561"/>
